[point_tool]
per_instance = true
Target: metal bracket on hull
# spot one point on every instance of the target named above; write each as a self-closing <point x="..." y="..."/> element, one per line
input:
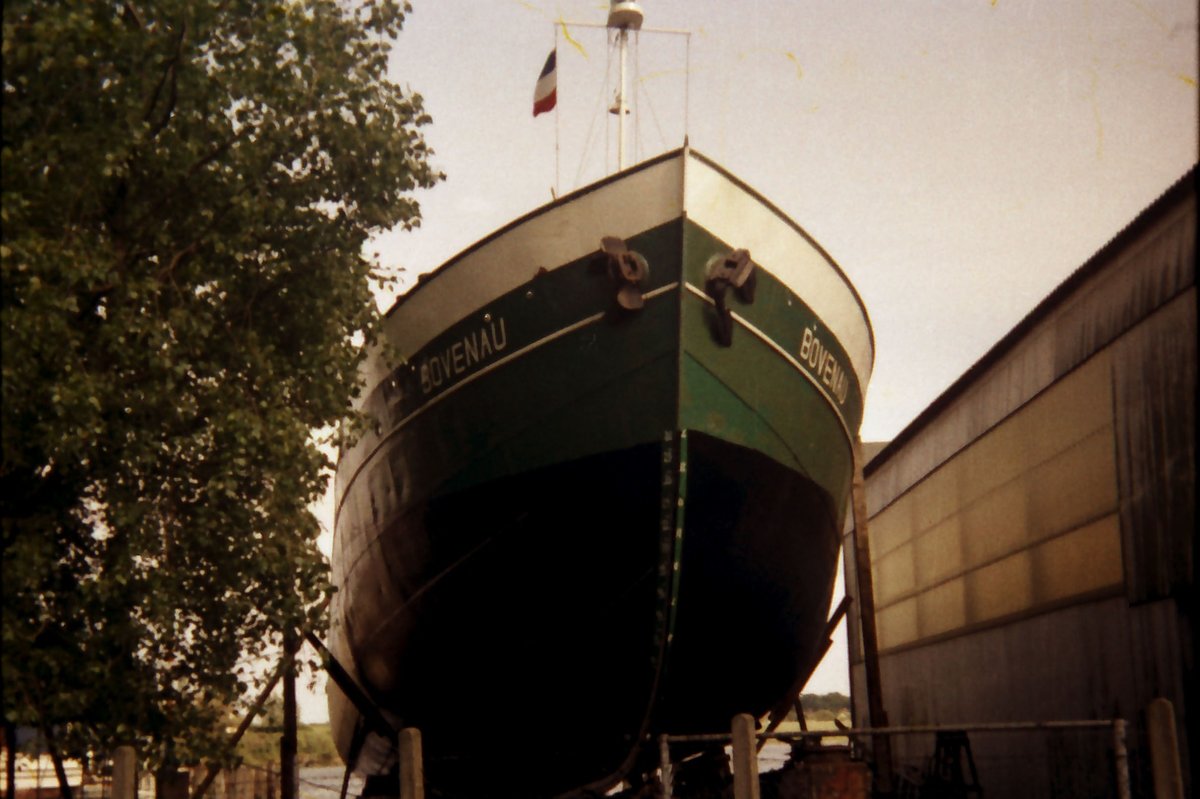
<point x="734" y="269"/>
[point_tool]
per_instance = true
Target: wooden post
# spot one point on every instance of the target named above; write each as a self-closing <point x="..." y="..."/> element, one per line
<point x="287" y="743"/>
<point x="412" y="768"/>
<point x="745" y="757"/>
<point x="124" y="773"/>
<point x="881" y="745"/>
<point x="1121" y="758"/>
<point x="243" y="782"/>
<point x="1164" y="750"/>
<point x="664" y="765"/>
<point x="800" y="718"/>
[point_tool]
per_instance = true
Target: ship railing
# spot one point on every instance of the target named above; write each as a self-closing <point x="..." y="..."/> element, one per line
<point x="744" y="742"/>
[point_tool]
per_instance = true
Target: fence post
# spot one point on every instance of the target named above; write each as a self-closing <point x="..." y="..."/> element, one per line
<point x="745" y="757"/>
<point x="664" y="765"/>
<point x="1164" y="750"/>
<point x="412" y="769"/>
<point x="288" y="769"/>
<point x="1121" y="758"/>
<point x="245" y="783"/>
<point x="124" y="774"/>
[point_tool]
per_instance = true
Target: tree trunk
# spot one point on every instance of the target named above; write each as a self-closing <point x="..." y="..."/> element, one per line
<point x="10" y="759"/>
<point x="60" y="771"/>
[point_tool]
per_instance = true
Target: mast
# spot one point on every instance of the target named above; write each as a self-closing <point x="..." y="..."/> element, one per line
<point x="623" y="16"/>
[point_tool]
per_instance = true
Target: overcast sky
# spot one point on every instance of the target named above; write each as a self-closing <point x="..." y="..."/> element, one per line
<point x="957" y="158"/>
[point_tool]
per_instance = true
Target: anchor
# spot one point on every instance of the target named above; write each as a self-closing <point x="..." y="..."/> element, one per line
<point x="628" y="268"/>
<point x="734" y="269"/>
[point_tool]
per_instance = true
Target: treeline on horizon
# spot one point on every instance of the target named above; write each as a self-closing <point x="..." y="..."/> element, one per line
<point x="833" y="701"/>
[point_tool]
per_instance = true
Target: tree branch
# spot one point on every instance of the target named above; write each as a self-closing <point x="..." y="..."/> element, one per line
<point x="170" y="73"/>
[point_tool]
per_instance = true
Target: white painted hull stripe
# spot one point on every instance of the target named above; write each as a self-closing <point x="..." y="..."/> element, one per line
<point x="740" y="217"/>
<point x="636" y="201"/>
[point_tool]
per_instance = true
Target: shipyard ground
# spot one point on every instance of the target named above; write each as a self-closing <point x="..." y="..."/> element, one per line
<point x="786" y="771"/>
<point x="802" y="774"/>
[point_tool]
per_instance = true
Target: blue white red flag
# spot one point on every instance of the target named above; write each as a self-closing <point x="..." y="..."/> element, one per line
<point x="545" y="94"/>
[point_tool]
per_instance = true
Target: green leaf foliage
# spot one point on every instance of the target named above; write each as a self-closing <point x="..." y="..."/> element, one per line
<point x="314" y="747"/>
<point x="187" y="189"/>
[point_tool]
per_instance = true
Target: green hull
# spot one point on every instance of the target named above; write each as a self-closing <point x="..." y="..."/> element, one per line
<point x="563" y="494"/>
<point x="565" y="352"/>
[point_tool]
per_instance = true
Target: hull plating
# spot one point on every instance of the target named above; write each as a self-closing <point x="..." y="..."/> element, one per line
<point x="574" y="526"/>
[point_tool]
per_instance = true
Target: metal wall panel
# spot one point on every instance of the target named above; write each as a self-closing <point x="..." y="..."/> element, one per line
<point x="1002" y="527"/>
<point x="1154" y="376"/>
<point x="1033" y="530"/>
<point x="1145" y="275"/>
<point x="1092" y="660"/>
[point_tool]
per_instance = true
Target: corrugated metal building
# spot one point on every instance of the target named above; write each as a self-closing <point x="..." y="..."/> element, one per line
<point x="1032" y="532"/>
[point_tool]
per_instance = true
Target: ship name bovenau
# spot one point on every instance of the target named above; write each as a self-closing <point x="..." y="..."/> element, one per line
<point x="451" y="362"/>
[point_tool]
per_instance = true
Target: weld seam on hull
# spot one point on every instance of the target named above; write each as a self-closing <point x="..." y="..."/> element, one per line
<point x="770" y="342"/>
<point x="533" y="345"/>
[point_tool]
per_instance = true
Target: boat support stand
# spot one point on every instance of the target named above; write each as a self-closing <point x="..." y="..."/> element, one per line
<point x="408" y="781"/>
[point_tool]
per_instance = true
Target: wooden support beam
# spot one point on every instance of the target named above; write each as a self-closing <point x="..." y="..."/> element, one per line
<point x="124" y="773"/>
<point x="412" y="768"/>
<point x="1164" y="750"/>
<point x="261" y="700"/>
<point x="745" y="757"/>
<point x="881" y="745"/>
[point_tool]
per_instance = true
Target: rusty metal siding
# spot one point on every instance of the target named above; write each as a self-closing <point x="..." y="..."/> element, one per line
<point x="1094" y="660"/>
<point x="1154" y="379"/>
<point x="1156" y="267"/>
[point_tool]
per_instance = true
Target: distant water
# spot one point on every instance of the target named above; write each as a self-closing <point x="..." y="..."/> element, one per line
<point x="325" y="782"/>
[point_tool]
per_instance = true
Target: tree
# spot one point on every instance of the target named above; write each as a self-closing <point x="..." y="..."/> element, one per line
<point x="187" y="189"/>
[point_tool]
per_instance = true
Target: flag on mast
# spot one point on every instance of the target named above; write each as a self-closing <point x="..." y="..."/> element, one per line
<point x="545" y="94"/>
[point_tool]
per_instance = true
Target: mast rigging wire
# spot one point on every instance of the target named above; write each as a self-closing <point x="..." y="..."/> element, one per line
<point x="587" y="143"/>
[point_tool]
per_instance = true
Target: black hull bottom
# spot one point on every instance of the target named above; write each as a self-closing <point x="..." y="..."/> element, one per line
<point x="518" y="624"/>
<point x="759" y="561"/>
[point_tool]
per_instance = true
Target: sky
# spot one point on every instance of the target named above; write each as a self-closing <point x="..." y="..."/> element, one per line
<point x="957" y="158"/>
